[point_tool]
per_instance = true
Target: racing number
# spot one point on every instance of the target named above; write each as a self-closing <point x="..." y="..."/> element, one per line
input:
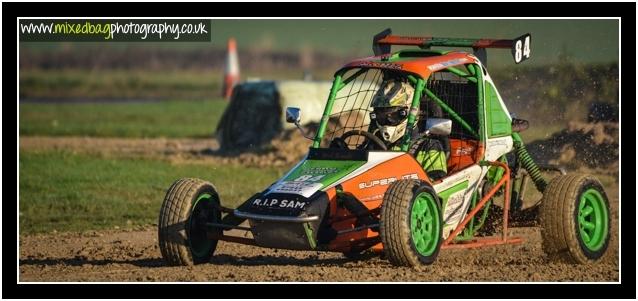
<point x="521" y="49"/>
<point x="519" y="53"/>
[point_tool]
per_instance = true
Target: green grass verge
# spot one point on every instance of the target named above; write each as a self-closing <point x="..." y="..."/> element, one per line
<point x="127" y="119"/>
<point x="123" y="84"/>
<point x="69" y="192"/>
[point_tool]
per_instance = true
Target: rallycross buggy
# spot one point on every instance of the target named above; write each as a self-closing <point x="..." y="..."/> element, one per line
<point x="345" y="197"/>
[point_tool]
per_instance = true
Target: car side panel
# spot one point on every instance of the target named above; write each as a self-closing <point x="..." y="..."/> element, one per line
<point x="369" y="188"/>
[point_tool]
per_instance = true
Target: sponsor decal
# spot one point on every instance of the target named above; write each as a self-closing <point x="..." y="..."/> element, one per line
<point x="297" y="187"/>
<point x="452" y="207"/>
<point x="279" y="203"/>
<point x="373" y="183"/>
<point x="386" y="181"/>
<point x="320" y="170"/>
<point x="309" y="178"/>
<point x="464" y="151"/>
<point x="495" y="142"/>
<point x="380" y="65"/>
<point x="410" y="176"/>
<point x="447" y="64"/>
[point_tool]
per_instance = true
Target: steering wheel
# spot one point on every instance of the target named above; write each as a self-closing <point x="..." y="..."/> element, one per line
<point x="339" y="142"/>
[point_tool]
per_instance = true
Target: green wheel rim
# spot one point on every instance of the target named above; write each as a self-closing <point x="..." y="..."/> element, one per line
<point x="593" y="221"/>
<point x="425" y="224"/>
<point x="199" y="243"/>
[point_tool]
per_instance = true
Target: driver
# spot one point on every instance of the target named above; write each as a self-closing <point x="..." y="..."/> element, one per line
<point x="391" y="105"/>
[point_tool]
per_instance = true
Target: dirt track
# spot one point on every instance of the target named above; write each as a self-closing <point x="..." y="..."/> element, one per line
<point x="134" y="255"/>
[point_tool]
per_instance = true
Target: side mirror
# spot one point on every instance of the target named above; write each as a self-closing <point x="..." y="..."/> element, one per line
<point x="293" y="115"/>
<point x="438" y="126"/>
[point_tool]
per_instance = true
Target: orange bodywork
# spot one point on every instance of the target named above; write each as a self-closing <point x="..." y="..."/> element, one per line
<point x="369" y="188"/>
<point x="423" y="66"/>
<point x="463" y="153"/>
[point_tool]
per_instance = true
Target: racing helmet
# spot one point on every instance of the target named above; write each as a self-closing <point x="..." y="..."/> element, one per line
<point x="391" y="104"/>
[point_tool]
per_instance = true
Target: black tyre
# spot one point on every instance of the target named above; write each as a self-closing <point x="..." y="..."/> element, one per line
<point x="189" y="204"/>
<point x="411" y="223"/>
<point x="575" y="219"/>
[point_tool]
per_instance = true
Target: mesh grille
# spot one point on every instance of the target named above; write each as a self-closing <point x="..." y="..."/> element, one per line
<point x="459" y="94"/>
<point x="351" y="109"/>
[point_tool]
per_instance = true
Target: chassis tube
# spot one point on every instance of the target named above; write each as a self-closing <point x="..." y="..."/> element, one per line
<point x="326" y="113"/>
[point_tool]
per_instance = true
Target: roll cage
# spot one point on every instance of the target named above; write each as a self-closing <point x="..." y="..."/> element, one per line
<point x="451" y="81"/>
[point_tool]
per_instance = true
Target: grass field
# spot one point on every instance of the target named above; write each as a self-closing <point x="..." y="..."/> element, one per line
<point x="123" y="119"/>
<point x="84" y="84"/>
<point x="70" y="192"/>
<point x="174" y="119"/>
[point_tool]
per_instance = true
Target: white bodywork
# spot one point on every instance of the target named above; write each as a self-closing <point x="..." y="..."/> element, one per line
<point x="458" y="202"/>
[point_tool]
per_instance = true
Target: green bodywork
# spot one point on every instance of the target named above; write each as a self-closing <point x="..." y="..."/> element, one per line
<point x="325" y="172"/>
<point x="499" y="123"/>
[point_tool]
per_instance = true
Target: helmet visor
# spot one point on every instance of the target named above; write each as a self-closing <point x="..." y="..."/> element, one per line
<point x="389" y="116"/>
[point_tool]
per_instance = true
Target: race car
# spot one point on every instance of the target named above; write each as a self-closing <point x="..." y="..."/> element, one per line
<point x="363" y="185"/>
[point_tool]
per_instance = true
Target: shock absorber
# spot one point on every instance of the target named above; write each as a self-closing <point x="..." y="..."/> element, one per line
<point x="528" y="163"/>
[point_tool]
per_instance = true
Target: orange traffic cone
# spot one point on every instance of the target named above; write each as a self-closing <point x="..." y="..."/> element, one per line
<point x="231" y="74"/>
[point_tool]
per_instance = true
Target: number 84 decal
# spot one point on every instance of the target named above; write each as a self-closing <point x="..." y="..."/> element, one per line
<point x="521" y="48"/>
<point x="308" y="178"/>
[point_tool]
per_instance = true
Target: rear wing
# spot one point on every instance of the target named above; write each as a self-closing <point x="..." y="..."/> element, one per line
<point x="382" y="42"/>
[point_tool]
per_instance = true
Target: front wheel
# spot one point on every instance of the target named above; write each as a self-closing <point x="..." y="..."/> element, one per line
<point x="411" y="223"/>
<point x="183" y="237"/>
<point x="575" y="219"/>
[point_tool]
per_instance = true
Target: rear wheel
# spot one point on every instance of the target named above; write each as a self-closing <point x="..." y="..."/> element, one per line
<point x="183" y="237"/>
<point x="411" y="223"/>
<point x="575" y="219"/>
